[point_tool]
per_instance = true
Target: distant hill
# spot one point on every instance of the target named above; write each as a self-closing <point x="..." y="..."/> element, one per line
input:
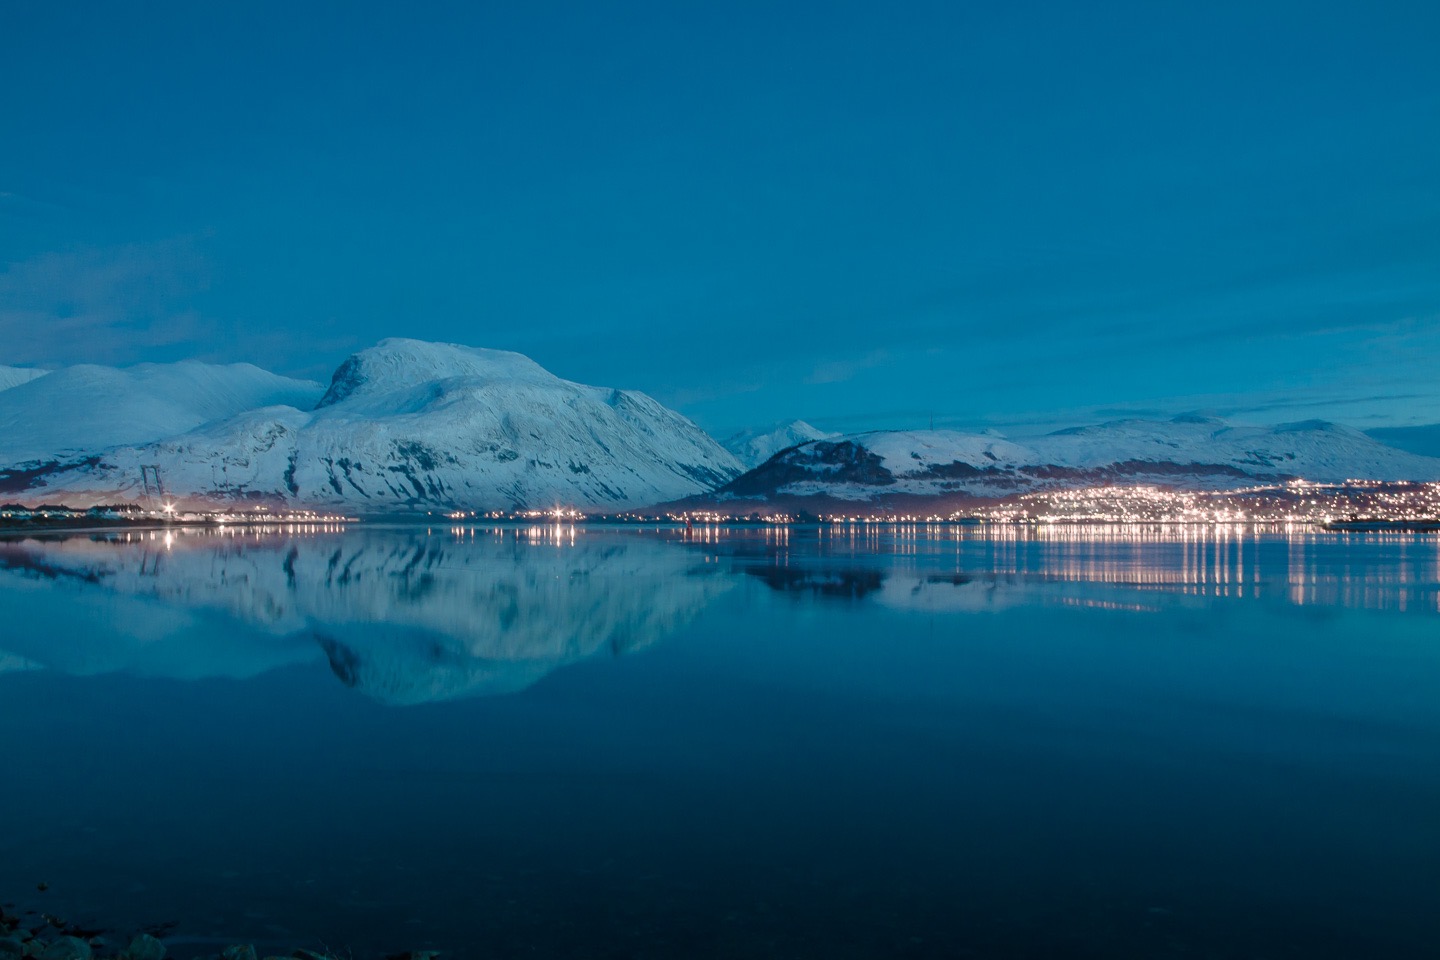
<point x="754" y="447"/>
<point x="1187" y="452"/>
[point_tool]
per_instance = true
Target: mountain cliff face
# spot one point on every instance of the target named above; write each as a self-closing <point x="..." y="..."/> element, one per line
<point x="408" y="424"/>
<point x="1191" y="452"/>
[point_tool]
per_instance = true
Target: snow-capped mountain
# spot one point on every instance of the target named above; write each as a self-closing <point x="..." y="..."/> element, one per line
<point x="754" y="447"/>
<point x="14" y="376"/>
<point x="402" y="619"/>
<point x="409" y="424"/>
<point x="1194" y="452"/>
<point x="84" y="410"/>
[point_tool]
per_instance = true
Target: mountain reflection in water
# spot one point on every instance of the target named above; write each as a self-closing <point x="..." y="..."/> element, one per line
<point x="402" y="618"/>
<point x="410" y="615"/>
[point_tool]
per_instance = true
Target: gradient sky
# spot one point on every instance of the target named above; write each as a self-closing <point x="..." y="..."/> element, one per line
<point x="861" y="214"/>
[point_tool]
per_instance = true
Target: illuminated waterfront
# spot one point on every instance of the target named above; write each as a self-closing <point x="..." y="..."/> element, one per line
<point x="1294" y="502"/>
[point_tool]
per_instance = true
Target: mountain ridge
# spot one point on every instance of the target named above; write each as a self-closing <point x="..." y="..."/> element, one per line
<point x="411" y="425"/>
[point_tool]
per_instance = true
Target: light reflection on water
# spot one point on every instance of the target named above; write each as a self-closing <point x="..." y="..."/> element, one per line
<point x="811" y="741"/>
<point x="1360" y="570"/>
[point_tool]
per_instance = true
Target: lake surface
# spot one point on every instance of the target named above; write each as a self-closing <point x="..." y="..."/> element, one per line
<point x="841" y="742"/>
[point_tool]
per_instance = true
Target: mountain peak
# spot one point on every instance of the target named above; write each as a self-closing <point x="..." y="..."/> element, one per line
<point x="754" y="447"/>
<point x="399" y="363"/>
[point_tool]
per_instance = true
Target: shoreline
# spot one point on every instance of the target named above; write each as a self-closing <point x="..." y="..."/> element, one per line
<point x="34" y="933"/>
<point x="78" y="525"/>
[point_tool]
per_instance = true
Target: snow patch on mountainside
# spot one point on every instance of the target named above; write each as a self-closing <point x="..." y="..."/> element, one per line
<point x="754" y="447"/>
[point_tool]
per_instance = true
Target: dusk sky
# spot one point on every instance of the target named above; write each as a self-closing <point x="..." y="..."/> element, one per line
<point x="860" y="214"/>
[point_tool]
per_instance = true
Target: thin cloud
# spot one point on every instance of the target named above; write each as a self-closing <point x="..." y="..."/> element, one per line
<point x="104" y="305"/>
<point x="690" y="396"/>
<point x="838" y="371"/>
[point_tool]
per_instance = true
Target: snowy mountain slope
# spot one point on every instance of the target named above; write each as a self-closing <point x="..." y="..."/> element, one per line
<point x="1186" y="452"/>
<point x="86" y="409"/>
<point x="409" y="424"/>
<point x="14" y="376"/>
<point x="754" y="447"/>
<point x="401" y="619"/>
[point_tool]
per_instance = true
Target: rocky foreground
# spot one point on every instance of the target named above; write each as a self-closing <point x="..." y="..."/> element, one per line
<point x="47" y="937"/>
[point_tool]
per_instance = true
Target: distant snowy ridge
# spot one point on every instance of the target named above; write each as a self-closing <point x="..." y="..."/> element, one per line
<point x="754" y="447"/>
<point x="14" y="376"/>
<point x="86" y="409"/>
<point x="1191" y="452"/>
<point x="409" y="424"/>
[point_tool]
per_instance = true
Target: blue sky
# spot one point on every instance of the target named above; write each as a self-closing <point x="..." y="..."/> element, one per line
<point x="862" y="214"/>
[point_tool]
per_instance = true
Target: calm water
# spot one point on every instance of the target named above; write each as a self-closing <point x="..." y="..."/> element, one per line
<point x="580" y="742"/>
